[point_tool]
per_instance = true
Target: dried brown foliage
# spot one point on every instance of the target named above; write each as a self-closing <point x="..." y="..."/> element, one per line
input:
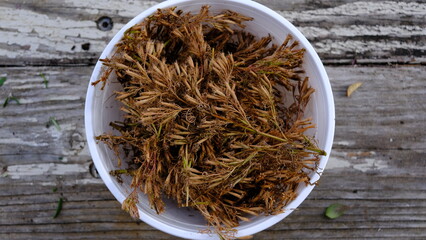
<point x="205" y="121"/>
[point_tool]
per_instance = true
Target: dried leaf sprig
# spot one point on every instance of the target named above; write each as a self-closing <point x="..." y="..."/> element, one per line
<point x="214" y="117"/>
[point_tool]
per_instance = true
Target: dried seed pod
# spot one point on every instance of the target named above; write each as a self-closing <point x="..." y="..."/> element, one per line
<point x="352" y="88"/>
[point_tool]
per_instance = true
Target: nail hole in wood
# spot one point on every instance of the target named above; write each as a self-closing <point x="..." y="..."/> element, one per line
<point x="104" y="23"/>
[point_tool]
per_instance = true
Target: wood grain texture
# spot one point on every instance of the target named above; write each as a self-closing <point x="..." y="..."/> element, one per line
<point x="376" y="166"/>
<point x="342" y="31"/>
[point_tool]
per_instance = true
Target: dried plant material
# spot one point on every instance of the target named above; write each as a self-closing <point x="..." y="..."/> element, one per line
<point x="335" y="210"/>
<point x="129" y="204"/>
<point x="206" y="121"/>
<point x="352" y="88"/>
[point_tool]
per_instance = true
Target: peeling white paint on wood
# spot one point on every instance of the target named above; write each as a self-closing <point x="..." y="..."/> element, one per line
<point x="89" y="181"/>
<point x="18" y="171"/>
<point x="400" y="31"/>
<point x="50" y="97"/>
<point x="134" y="7"/>
<point x="84" y="181"/>
<point x="368" y="164"/>
<point x="376" y="48"/>
<point x="23" y="119"/>
<point x="331" y="35"/>
<point x="35" y="34"/>
<point x="47" y="184"/>
<point x="54" y="34"/>
<point x="360" y="8"/>
<point x="13" y="141"/>
<point x="335" y="162"/>
<point x="29" y="86"/>
<point x="363" y="161"/>
<point x="371" y="164"/>
<point x="344" y="143"/>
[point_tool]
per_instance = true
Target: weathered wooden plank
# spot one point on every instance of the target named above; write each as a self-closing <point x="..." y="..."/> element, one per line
<point x="349" y="186"/>
<point x="27" y="128"/>
<point x="303" y="223"/>
<point x="371" y="189"/>
<point x="376" y="203"/>
<point x="375" y="232"/>
<point x="376" y="167"/>
<point x="313" y="206"/>
<point x="297" y="5"/>
<point x="383" y="163"/>
<point x="385" y="203"/>
<point x="365" y="31"/>
<point x="360" y="215"/>
<point x="382" y="114"/>
<point x="133" y="226"/>
<point x="95" y="235"/>
<point x="65" y="32"/>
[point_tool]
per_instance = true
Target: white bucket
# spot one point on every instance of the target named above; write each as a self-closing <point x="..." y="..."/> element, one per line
<point x="101" y="108"/>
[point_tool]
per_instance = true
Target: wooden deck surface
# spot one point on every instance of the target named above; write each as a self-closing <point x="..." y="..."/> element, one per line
<point x="377" y="166"/>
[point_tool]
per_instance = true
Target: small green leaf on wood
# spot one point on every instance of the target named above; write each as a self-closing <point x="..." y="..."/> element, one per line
<point x="352" y="88"/>
<point x="335" y="210"/>
<point x="53" y="121"/>
<point x="6" y="102"/>
<point x="58" y="208"/>
<point x="10" y="98"/>
<point x="2" y="80"/>
<point x="45" y="81"/>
